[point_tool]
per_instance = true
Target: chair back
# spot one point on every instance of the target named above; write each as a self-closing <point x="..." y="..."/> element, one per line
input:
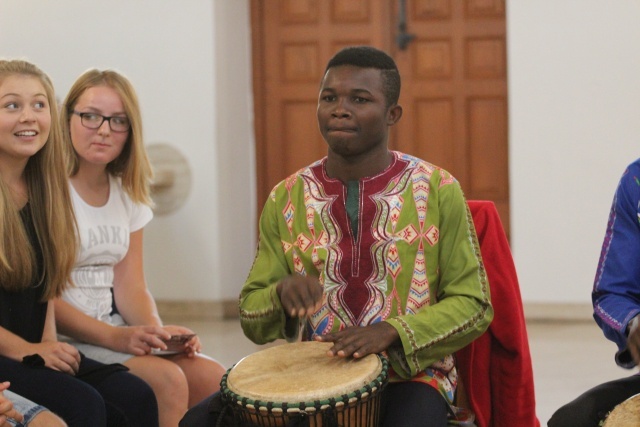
<point x="495" y="369"/>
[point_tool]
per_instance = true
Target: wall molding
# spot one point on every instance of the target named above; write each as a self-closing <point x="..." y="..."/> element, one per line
<point x="198" y="310"/>
<point x="575" y="312"/>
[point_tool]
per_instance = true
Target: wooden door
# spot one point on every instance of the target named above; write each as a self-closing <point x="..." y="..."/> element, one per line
<point x="454" y="89"/>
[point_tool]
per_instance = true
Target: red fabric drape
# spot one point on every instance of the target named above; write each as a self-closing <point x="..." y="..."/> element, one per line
<point x="496" y="368"/>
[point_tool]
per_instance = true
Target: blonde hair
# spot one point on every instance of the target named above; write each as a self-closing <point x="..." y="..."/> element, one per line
<point x="49" y="206"/>
<point x="132" y="165"/>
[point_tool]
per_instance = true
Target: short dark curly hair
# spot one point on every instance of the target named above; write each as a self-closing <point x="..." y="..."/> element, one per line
<point x="370" y="57"/>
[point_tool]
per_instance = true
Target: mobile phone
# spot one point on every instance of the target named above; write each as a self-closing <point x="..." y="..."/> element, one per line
<point x="177" y="342"/>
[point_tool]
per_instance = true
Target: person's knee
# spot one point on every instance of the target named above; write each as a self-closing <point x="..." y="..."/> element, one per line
<point x="47" y="419"/>
<point x="562" y="419"/>
<point x="205" y="413"/>
<point x="87" y="407"/>
<point x="581" y="412"/>
<point x="167" y="380"/>
<point x="200" y="368"/>
<point x="174" y="378"/>
<point x="413" y="403"/>
<point x="215" y="372"/>
<point x="129" y="400"/>
<point x="145" y="398"/>
<point x="203" y="376"/>
<point x="591" y="407"/>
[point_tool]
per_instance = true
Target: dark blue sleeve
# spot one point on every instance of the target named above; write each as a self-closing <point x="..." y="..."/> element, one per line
<point x="616" y="290"/>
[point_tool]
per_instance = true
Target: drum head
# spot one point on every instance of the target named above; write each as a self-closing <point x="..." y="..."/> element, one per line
<point x="300" y="372"/>
<point x="626" y="414"/>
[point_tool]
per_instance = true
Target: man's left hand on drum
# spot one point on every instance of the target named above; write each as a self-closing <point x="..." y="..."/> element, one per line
<point x="360" y="341"/>
<point x="300" y="296"/>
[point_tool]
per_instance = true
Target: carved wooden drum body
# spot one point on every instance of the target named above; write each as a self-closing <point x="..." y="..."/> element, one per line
<point x="299" y="382"/>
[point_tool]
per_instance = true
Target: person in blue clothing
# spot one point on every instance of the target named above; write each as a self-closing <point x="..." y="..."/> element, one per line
<point x="616" y="306"/>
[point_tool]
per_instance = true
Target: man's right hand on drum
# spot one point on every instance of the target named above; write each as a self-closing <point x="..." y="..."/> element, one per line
<point x="300" y="296"/>
<point x="360" y="341"/>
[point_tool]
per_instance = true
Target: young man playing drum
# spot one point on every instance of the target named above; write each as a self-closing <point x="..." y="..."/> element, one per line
<point x="371" y="250"/>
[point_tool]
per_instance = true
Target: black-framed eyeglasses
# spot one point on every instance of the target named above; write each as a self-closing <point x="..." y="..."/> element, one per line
<point x="95" y="120"/>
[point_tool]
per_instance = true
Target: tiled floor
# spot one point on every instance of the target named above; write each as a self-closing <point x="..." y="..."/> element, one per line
<point x="568" y="357"/>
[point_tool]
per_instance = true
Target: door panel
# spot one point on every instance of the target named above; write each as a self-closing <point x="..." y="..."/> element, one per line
<point x="455" y="94"/>
<point x="454" y="88"/>
<point x="292" y="42"/>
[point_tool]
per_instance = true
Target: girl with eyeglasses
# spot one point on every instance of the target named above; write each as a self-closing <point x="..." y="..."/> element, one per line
<point x="110" y="313"/>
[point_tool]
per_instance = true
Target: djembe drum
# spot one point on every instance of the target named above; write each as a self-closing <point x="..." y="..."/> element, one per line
<point x="298" y="382"/>
<point x="626" y="414"/>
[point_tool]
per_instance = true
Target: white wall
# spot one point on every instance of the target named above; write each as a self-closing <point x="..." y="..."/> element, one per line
<point x="190" y="63"/>
<point x="574" y="85"/>
<point x="574" y="89"/>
